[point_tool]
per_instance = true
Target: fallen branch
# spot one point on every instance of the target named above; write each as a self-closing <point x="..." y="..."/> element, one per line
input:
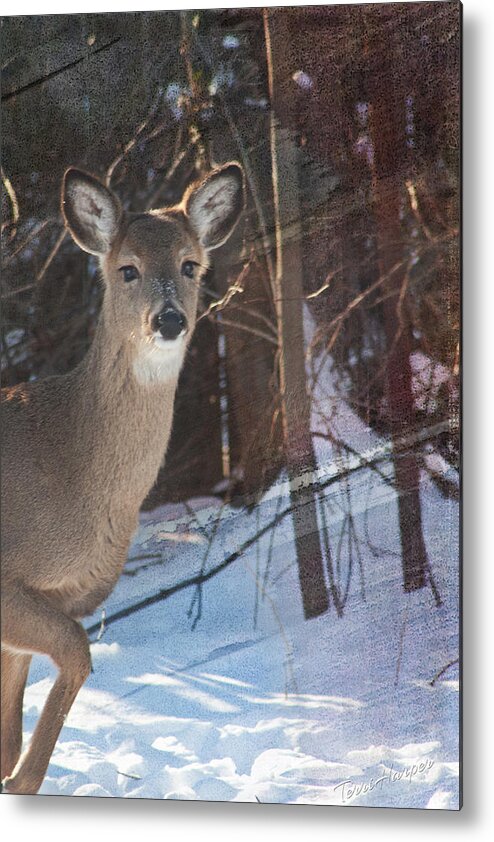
<point x="305" y="479"/>
<point x="199" y="579"/>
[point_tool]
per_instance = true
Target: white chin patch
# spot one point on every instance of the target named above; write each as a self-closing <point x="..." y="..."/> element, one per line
<point x="159" y="360"/>
<point x="168" y="344"/>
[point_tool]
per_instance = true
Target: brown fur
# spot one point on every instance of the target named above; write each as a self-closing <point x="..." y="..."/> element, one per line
<point x="80" y="453"/>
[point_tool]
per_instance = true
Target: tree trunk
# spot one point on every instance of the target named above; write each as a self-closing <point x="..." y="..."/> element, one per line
<point x="388" y="138"/>
<point x="288" y="296"/>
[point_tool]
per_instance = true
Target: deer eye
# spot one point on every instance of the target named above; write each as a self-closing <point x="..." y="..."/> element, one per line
<point x="129" y="273"/>
<point x="188" y="267"/>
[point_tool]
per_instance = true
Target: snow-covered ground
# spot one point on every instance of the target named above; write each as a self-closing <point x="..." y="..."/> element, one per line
<point x="227" y="693"/>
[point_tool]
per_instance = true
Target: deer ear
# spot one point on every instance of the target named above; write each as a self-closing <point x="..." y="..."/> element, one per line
<point x="214" y="205"/>
<point x="91" y="211"/>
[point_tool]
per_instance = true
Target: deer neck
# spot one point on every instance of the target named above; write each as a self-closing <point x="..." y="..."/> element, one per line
<point x="123" y="418"/>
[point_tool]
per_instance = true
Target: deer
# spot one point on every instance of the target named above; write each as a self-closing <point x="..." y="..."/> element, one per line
<point x="81" y="450"/>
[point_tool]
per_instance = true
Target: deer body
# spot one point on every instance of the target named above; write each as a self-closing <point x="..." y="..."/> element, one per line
<point x="107" y="435"/>
<point x="81" y="451"/>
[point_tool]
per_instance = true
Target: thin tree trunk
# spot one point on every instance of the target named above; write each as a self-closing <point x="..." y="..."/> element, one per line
<point x="198" y="94"/>
<point x="288" y="296"/>
<point x="194" y="458"/>
<point x="388" y="139"/>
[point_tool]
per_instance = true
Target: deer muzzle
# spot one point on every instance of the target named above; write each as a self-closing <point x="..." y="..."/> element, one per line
<point x="170" y="323"/>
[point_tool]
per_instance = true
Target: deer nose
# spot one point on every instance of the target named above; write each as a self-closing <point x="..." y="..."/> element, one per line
<point x="170" y="323"/>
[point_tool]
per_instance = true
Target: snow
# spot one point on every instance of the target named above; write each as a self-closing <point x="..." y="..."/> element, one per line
<point x="227" y="693"/>
<point x="254" y="702"/>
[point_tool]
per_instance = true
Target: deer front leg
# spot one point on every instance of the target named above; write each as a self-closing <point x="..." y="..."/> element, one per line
<point x="13" y="673"/>
<point x="30" y="624"/>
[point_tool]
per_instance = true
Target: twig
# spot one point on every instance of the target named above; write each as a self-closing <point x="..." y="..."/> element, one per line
<point x="179" y="156"/>
<point x="412" y="195"/>
<point x="400" y="643"/>
<point x="10" y="94"/>
<point x="132" y="142"/>
<point x="198" y="594"/>
<point x="255" y="314"/>
<point x="199" y="579"/>
<point x="254" y="330"/>
<point x="233" y="289"/>
<point x="102" y="624"/>
<point x="129" y="775"/>
<point x="52" y="255"/>
<point x="441" y="672"/>
<point x="9" y="189"/>
<point x="249" y="173"/>
<point x="324" y="286"/>
<point x="333" y="587"/>
<point x="32" y="234"/>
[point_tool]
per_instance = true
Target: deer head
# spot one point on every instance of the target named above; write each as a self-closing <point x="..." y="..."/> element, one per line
<point x="152" y="263"/>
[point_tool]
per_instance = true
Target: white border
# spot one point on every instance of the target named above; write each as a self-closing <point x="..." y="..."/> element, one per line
<point x="93" y="820"/>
